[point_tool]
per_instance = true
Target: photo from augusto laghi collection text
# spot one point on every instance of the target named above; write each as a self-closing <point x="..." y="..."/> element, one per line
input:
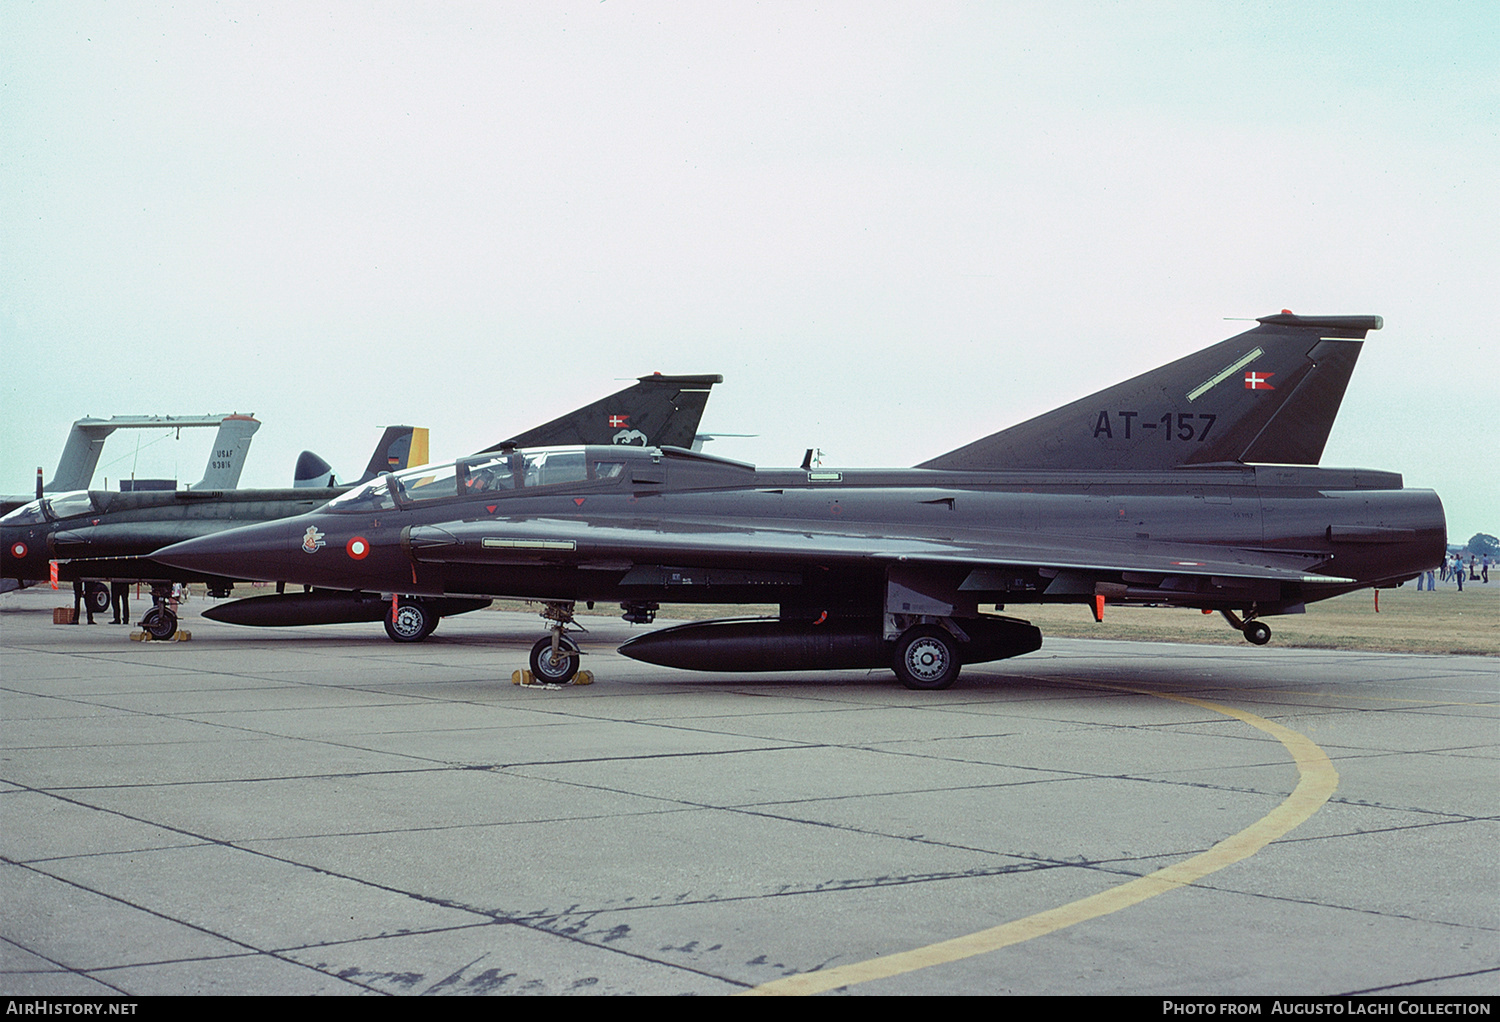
<point x="1330" y="1006"/>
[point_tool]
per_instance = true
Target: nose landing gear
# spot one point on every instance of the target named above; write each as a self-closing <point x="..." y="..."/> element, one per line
<point x="554" y="659"/>
<point x="160" y="622"/>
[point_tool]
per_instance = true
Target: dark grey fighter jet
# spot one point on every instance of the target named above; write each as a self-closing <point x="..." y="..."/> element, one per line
<point x="99" y="535"/>
<point x="1192" y="485"/>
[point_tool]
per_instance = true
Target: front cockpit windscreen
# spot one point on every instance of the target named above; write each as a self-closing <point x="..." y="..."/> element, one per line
<point x="26" y="514"/>
<point x="372" y="496"/>
<point x="62" y="505"/>
<point x="489" y="473"/>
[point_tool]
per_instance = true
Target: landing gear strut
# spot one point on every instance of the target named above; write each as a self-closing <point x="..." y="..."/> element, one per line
<point x="1257" y="632"/>
<point x="554" y="660"/>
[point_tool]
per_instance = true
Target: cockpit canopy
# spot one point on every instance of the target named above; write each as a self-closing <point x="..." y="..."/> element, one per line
<point x="60" y="505"/>
<point x="505" y="471"/>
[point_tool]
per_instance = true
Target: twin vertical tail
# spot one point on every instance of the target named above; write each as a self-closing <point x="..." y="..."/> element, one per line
<point x="80" y="456"/>
<point x="1269" y="394"/>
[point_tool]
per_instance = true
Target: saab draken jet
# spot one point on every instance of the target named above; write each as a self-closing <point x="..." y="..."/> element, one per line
<point x="1192" y="485"/>
<point x="97" y="535"/>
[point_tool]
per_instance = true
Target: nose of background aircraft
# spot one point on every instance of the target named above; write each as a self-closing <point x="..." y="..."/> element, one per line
<point x="23" y="555"/>
<point x="262" y="552"/>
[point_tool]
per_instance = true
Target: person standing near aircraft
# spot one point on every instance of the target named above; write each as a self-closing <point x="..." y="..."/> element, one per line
<point x="81" y="600"/>
<point x="119" y="600"/>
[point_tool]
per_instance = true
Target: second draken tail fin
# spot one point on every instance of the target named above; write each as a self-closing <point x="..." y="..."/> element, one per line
<point x="400" y="447"/>
<point x="658" y="411"/>
<point x="1269" y="394"/>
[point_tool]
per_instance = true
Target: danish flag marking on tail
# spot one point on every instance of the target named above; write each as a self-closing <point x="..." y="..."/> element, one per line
<point x="616" y="421"/>
<point x="1257" y="381"/>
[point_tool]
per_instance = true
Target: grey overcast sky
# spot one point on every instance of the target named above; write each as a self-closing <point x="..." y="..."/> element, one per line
<point x="892" y="227"/>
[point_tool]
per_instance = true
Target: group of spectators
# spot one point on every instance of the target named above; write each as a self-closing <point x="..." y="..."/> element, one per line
<point x="1454" y="569"/>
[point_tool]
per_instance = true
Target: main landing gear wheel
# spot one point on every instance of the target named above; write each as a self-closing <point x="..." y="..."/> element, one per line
<point x="554" y="671"/>
<point x="159" y="622"/>
<point x="96" y="594"/>
<point x="1254" y="631"/>
<point x="926" y="658"/>
<point x="412" y="621"/>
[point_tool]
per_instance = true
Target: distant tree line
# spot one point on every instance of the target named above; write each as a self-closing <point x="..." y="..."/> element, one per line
<point x="1483" y="543"/>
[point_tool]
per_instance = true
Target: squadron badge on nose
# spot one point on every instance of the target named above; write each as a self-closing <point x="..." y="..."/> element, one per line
<point x="312" y="539"/>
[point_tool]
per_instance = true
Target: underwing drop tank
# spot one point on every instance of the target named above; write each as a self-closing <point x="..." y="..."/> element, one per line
<point x="323" y="607"/>
<point x="772" y="644"/>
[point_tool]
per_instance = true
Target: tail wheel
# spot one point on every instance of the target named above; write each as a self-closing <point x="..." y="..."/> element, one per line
<point x="96" y="594"/>
<point x="412" y="621"/>
<point x="926" y="658"/>
<point x="1257" y="632"/>
<point x="159" y="622"/>
<point x="554" y="671"/>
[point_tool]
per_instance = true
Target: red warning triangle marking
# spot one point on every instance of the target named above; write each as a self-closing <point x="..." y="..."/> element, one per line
<point x="578" y="501"/>
<point x="491" y="508"/>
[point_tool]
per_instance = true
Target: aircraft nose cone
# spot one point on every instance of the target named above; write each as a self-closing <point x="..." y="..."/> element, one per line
<point x="260" y="552"/>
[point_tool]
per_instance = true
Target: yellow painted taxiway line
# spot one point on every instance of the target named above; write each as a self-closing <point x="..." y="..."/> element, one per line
<point x="1317" y="780"/>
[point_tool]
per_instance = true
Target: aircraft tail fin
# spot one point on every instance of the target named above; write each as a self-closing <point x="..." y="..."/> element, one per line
<point x="399" y="448"/>
<point x="312" y="471"/>
<point x="80" y="456"/>
<point x="658" y="411"/>
<point x="1269" y="394"/>
<point x="227" y="458"/>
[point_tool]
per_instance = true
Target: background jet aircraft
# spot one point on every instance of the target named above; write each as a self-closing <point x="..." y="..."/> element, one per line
<point x="85" y="443"/>
<point x="1140" y="494"/>
<point x="101" y="535"/>
<point x="400" y="446"/>
<point x="105" y="535"/>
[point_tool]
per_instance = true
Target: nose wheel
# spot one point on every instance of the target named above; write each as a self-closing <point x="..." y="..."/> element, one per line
<point x="159" y="622"/>
<point x="554" y="660"/>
